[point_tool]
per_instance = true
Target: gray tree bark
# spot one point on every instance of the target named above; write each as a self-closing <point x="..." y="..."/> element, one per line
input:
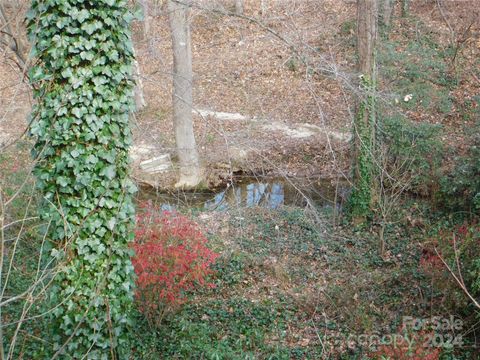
<point x="140" y="102"/>
<point x="146" y="19"/>
<point x="387" y="11"/>
<point x="190" y="170"/>
<point x="366" y="35"/>
<point x="239" y="7"/>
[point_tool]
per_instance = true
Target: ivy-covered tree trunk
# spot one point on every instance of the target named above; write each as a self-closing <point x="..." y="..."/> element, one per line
<point x="405" y="7"/>
<point x="84" y="93"/>
<point x="360" y="202"/>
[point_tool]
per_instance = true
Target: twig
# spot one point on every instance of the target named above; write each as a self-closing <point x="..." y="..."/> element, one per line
<point x="457" y="279"/>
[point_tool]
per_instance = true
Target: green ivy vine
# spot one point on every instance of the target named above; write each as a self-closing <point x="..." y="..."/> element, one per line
<point x="83" y="85"/>
<point x="360" y="201"/>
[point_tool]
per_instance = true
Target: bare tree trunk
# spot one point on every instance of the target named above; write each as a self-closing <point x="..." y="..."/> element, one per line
<point x="190" y="171"/>
<point x="146" y="20"/>
<point x="239" y="7"/>
<point x="263" y="8"/>
<point x="140" y="102"/>
<point x="387" y="12"/>
<point x="366" y="35"/>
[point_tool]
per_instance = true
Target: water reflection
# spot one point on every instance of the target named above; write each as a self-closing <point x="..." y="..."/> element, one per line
<point x="268" y="195"/>
<point x="271" y="194"/>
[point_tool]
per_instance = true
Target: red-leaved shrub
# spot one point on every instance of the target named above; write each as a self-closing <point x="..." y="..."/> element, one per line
<point x="430" y="261"/>
<point x="171" y="257"/>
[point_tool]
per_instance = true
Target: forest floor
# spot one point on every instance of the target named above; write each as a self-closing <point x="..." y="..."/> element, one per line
<point x="289" y="285"/>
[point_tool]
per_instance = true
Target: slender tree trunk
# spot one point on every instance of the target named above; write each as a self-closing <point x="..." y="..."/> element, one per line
<point x="387" y="12"/>
<point x="146" y="18"/>
<point x="364" y="125"/>
<point x="239" y="7"/>
<point x="366" y="35"/>
<point x="140" y="102"/>
<point x="405" y="7"/>
<point x="190" y="171"/>
<point x="263" y="7"/>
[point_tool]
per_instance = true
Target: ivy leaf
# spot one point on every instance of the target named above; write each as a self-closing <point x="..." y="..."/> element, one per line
<point x="31" y="14"/>
<point x="75" y="153"/>
<point x="67" y="73"/>
<point x="109" y="172"/>
<point x="62" y="22"/>
<point x="36" y="73"/>
<point x="77" y="112"/>
<point x="91" y="159"/>
<point x="113" y="55"/>
<point x="83" y="15"/>
<point x="111" y="223"/>
<point x="62" y="181"/>
<point x="89" y="28"/>
<point x="77" y="82"/>
<point x="62" y="111"/>
<point x="89" y="44"/>
<point x="99" y="80"/>
<point x="87" y="55"/>
<point x="101" y="231"/>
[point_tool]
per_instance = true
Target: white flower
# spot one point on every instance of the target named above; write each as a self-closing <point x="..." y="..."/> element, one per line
<point x="408" y="97"/>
